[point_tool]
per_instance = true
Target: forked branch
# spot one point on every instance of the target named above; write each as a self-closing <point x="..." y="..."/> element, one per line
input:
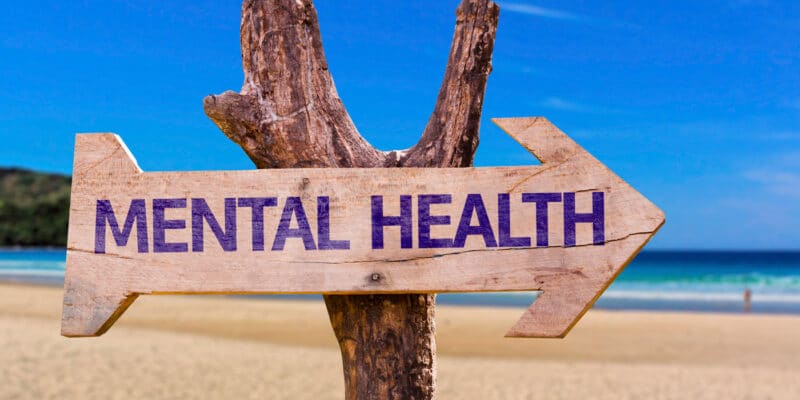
<point x="288" y="113"/>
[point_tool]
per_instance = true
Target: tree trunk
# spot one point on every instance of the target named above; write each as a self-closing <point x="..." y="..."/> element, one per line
<point x="288" y="115"/>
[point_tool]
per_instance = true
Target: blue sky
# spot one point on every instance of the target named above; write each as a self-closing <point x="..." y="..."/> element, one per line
<point x="696" y="104"/>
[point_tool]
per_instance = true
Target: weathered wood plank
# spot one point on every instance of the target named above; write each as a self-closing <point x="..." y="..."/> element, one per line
<point x="100" y="285"/>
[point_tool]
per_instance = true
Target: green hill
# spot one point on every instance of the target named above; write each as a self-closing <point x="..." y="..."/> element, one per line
<point x="34" y="208"/>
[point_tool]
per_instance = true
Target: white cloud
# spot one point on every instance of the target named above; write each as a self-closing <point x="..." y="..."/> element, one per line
<point x="560" y="104"/>
<point x="557" y="103"/>
<point x="789" y="160"/>
<point x="786" y="135"/>
<point x="562" y="15"/>
<point x="538" y="11"/>
<point x="780" y="179"/>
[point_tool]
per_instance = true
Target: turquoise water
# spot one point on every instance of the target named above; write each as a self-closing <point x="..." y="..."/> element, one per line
<point x="655" y="280"/>
<point x="46" y="266"/>
<point x="704" y="280"/>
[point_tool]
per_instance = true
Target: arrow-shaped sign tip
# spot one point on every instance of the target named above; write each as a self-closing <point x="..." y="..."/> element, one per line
<point x="90" y="308"/>
<point x="568" y="295"/>
<point x="88" y="311"/>
<point x="539" y="136"/>
<point x="102" y="154"/>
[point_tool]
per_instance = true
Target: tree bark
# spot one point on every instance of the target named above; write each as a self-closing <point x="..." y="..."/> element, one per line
<point x="288" y="115"/>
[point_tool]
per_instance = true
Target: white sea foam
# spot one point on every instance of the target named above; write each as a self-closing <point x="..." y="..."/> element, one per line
<point x="32" y="265"/>
<point x="700" y="296"/>
<point x="49" y="273"/>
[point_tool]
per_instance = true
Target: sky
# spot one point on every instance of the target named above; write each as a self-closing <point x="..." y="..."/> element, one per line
<point x="695" y="103"/>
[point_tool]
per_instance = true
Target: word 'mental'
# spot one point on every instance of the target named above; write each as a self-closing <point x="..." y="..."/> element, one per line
<point x="294" y="223"/>
<point x="202" y="215"/>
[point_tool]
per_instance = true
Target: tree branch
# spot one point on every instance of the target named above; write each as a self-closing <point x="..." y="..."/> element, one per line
<point x="288" y="114"/>
<point x="451" y="136"/>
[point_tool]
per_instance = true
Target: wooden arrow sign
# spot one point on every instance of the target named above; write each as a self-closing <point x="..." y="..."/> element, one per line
<point x="566" y="228"/>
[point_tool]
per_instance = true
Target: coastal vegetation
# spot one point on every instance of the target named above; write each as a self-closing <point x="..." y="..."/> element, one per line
<point x="34" y="208"/>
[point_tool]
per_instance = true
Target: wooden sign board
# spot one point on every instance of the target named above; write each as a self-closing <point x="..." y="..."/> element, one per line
<point x="566" y="228"/>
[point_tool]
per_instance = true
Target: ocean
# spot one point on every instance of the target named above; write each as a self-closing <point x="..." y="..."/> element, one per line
<point x="712" y="281"/>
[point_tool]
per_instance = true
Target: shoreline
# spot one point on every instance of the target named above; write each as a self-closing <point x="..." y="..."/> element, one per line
<point x="474" y="299"/>
<point x="223" y="346"/>
<point x="660" y="281"/>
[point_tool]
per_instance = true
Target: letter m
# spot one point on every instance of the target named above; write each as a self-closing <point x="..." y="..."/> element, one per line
<point x="105" y="214"/>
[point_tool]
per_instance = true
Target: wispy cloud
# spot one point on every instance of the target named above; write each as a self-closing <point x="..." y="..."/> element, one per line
<point x="559" y="104"/>
<point x="785" y="135"/>
<point x="780" y="179"/>
<point x="745" y="129"/>
<point x="562" y="15"/>
<point x="556" y="103"/>
<point x="543" y="12"/>
<point x="790" y="159"/>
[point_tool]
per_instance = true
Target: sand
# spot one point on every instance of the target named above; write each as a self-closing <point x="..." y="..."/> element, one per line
<point x="177" y="347"/>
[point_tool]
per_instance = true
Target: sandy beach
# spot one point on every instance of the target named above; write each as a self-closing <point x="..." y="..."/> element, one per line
<point x="221" y="347"/>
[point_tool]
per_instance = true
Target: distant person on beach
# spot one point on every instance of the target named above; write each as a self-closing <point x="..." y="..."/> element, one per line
<point x="748" y="297"/>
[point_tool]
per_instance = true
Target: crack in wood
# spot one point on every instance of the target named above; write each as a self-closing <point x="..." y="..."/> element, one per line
<point x="438" y="255"/>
